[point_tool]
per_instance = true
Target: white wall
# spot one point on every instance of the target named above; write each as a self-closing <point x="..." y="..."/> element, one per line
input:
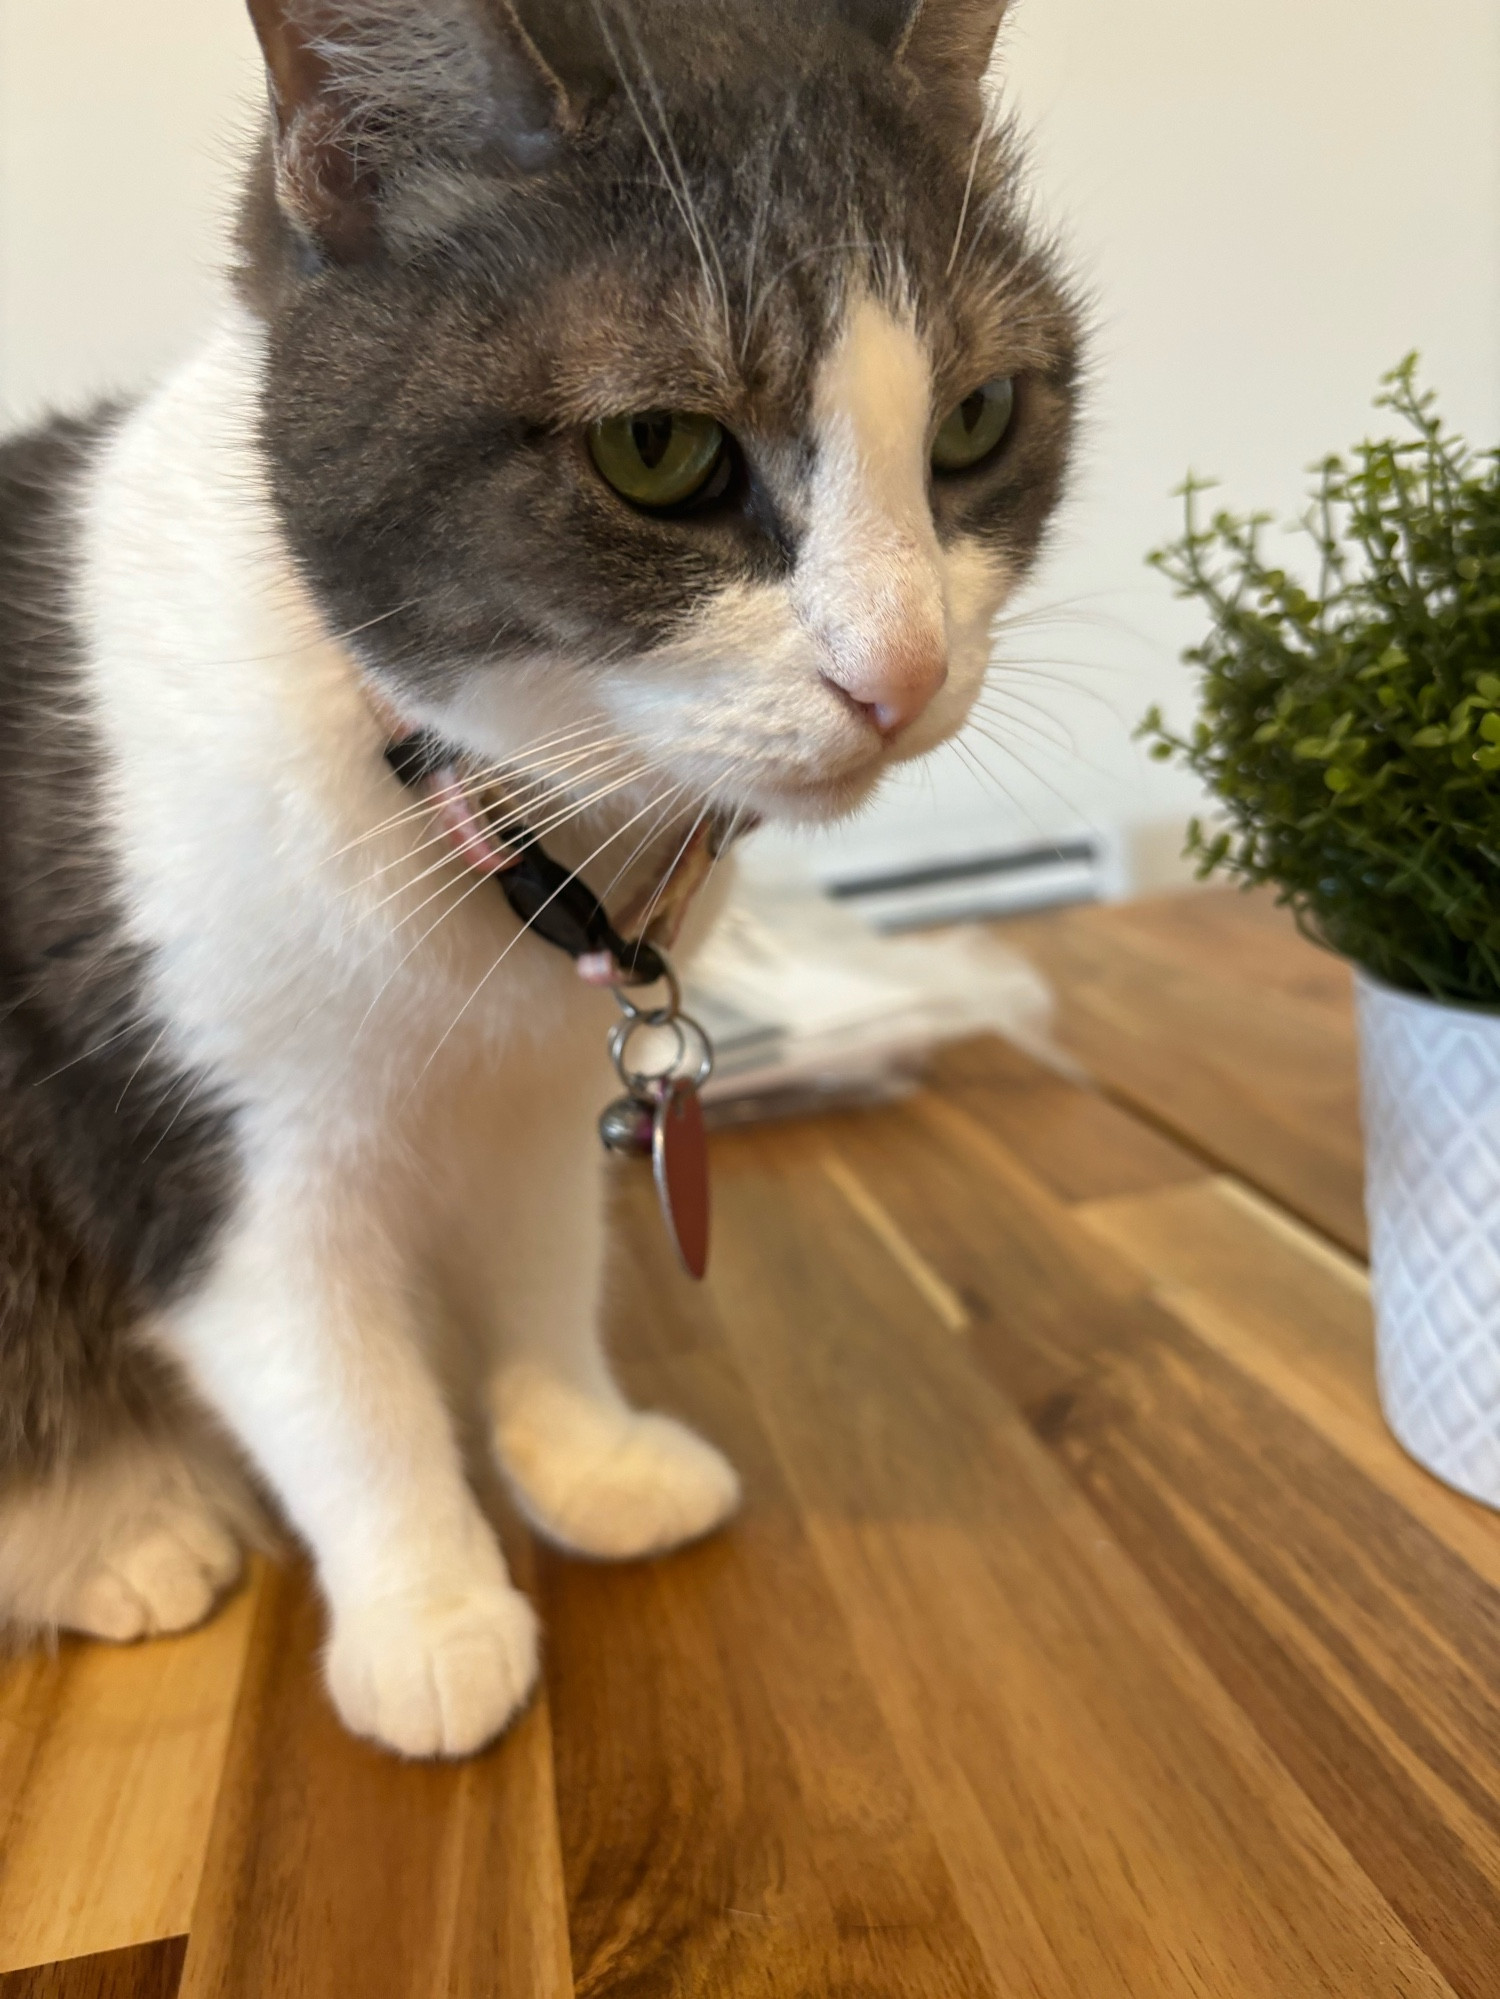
<point x="120" y="121"/>
<point x="1271" y="204"/>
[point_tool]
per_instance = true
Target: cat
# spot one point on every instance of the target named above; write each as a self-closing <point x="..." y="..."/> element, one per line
<point x="656" y="399"/>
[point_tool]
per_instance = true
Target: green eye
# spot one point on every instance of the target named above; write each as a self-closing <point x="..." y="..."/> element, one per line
<point x="971" y="429"/>
<point x="660" y="458"/>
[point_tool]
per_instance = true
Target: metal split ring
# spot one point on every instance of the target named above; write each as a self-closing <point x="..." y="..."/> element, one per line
<point x="684" y="1031"/>
<point x="653" y="1016"/>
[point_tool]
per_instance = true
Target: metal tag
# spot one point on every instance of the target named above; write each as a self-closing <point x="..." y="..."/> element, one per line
<point x="679" y="1160"/>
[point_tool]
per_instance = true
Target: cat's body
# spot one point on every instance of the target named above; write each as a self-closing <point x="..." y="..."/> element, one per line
<point x="297" y="1130"/>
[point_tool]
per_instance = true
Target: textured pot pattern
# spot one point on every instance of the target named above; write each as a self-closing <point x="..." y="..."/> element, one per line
<point x="1431" y="1089"/>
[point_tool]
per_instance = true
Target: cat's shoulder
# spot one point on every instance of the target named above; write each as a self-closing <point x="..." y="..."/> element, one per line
<point x="39" y="464"/>
<point x="43" y="480"/>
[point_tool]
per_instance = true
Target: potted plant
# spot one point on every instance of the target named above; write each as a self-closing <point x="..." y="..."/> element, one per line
<point x="1350" y="730"/>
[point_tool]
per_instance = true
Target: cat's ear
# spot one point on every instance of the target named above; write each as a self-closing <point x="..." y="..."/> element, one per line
<point x="951" y="40"/>
<point x="360" y="88"/>
<point x="947" y="44"/>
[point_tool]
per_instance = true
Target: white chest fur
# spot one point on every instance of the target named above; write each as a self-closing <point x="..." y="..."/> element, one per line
<point x="337" y="974"/>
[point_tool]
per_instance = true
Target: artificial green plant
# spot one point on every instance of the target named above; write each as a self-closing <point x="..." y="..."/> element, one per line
<point x="1351" y="730"/>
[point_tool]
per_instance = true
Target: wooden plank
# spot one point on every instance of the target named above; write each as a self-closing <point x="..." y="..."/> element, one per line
<point x="109" y="1763"/>
<point x="334" y="1868"/>
<point x="1307" y="1301"/>
<point x="876" y="1217"/>
<point x="1079" y="1143"/>
<point x="1213" y="1018"/>
<point x="735" y="1819"/>
<point x="147" y="1971"/>
<point x="1363" y="1648"/>
<point x="1113" y="1822"/>
<point x="1285" y="1308"/>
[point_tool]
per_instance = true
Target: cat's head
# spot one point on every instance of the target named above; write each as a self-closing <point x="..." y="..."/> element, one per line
<point x="681" y="370"/>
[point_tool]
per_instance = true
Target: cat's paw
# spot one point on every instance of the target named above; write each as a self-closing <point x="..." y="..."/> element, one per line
<point x="166" y="1578"/>
<point x="437" y="1676"/>
<point x="608" y="1481"/>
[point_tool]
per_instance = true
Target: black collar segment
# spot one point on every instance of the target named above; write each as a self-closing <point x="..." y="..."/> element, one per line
<point x="548" y="899"/>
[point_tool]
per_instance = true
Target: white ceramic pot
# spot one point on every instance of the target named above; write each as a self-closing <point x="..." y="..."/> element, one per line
<point x="1431" y="1089"/>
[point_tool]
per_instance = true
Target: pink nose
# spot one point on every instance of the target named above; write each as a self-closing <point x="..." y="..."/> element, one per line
<point x="894" y="684"/>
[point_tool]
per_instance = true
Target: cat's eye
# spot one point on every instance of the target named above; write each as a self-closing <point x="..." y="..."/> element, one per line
<point x="661" y="458"/>
<point x="973" y="428"/>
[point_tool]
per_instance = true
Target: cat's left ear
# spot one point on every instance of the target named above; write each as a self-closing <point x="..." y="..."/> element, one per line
<point x="947" y="44"/>
<point x="362" y="88"/>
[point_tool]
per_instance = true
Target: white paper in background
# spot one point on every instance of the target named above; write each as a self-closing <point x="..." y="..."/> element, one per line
<point x="803" y="1001"/>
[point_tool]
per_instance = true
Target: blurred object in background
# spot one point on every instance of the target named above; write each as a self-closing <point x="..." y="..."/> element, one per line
<point x="808" y="1007"/>
<point x="1006" y="882"/>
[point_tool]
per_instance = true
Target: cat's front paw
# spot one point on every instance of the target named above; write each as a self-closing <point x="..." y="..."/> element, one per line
<point x="607" y="1481"/>
<point x="434" y="1676"/>
<point x="165" y="1577"/>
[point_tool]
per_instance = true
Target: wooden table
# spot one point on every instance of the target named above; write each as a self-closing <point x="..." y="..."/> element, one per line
<point x="1085" y="1635"/>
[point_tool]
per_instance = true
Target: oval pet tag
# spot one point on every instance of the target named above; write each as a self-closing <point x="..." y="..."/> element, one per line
<point x="679" y="1160"/>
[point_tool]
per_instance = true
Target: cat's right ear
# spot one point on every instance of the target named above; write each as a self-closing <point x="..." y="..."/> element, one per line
<point x="362" y="88"/>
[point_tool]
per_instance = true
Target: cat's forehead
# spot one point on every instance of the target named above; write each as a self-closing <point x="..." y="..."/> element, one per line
<point x="722" y="284"/>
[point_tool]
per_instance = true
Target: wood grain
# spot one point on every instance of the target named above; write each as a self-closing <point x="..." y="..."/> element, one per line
<point x="1083" y="1146"/>
<point x="1285" y="1308"/>
<point x="1210" y="1017"/>
<point x="336" y="1869"/>
<point x="147" y="1971"/>
<point x="109" y="1764"/>
<point x="1114" y="1823"/>
<point x="735" y="1818"/>
<point x="1365" y="1651"/>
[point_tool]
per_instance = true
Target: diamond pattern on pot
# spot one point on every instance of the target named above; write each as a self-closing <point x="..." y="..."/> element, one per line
<point x="1431" y="1088"/>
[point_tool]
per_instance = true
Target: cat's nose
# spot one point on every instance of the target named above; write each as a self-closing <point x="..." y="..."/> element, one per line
<point x="893" y="683"/>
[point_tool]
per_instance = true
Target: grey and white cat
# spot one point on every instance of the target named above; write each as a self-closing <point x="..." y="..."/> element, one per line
<point x="658" y="399"/>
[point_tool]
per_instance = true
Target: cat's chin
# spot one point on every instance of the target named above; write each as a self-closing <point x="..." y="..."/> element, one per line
<point x="814" y="801"/>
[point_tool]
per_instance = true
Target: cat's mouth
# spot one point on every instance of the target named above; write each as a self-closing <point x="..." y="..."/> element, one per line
<point x="816" y="790"/>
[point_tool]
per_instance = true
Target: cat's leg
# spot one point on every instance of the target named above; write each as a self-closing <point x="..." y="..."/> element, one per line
<point x="303" y="1339"/>
<point x="591" y="1473"/>
<point x="135" y="1538"/>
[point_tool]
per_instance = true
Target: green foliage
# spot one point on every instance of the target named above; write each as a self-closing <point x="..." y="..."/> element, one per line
<point x="1353" y="735"/>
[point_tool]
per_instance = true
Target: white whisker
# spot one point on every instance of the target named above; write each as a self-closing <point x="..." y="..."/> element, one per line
<point x="535" y="834"/>
<point x="444" y="835"/>
<point x="643" y="843"/>
<point x="678" y="189"/>
<point x="963" y="213"/>
<point x="156" y="1040"/>
<point x="608" y="841"/>
<point x="732" y="833"/>
<point x="480" y="881"/>
<point x="482" y="774"/>
<point x="1012" y="751"/>
<point x="822" y="250"/>
<point x="758" y="223"/>
<point x="85" y="1054"/>
<point x="677" y="858"/>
